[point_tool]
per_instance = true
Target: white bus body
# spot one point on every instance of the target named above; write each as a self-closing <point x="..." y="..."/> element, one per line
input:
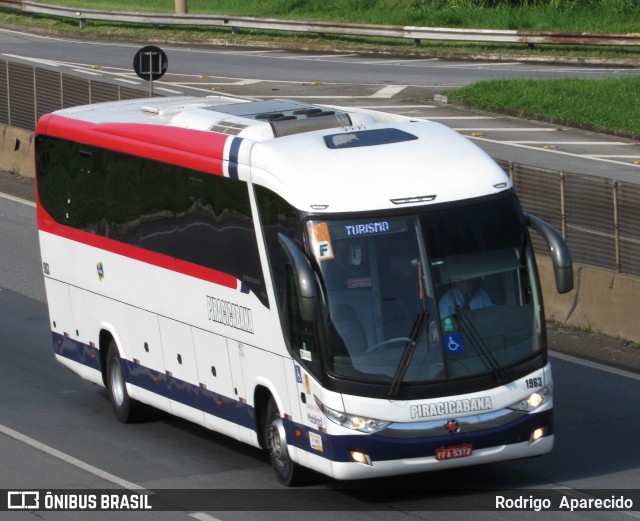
<point x="275" y="272"/>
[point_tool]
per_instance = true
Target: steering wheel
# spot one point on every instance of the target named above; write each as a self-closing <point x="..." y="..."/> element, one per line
<point x="384" y="343"/>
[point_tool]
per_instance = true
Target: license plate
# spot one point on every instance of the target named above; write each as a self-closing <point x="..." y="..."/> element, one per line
<point x="455" y="451"/>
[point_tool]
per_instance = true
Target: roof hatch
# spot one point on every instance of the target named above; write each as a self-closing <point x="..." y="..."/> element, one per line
<point x="285" y="117"/>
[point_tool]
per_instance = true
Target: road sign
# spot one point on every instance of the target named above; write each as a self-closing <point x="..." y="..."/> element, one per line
<point x="150" y="63"/>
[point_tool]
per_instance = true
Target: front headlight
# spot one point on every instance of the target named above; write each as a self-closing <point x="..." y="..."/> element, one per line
<point x="352" y="421"/>
<point x="534" y="400"/>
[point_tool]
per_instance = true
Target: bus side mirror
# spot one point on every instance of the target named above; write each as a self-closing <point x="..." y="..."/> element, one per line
<point x="560" y="254"/>
<point x="304" y="277"/>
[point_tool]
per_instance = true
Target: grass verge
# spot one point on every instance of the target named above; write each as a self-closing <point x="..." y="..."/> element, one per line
<point x="612" y="104"/>
<point x="193" y="35"/>
<point x="553" y="15"/>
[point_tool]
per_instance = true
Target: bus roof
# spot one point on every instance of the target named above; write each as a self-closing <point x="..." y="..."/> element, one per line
<point x="317" y="157"/>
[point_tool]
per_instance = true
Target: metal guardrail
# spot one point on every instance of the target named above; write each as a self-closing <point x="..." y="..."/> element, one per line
<point x="599" y="218"/>
<point x="28" y="92"/>
<point x="417" y="34"/>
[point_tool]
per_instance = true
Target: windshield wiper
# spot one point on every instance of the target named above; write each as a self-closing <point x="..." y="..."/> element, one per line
<point x="477" y="342"/>
<point x="407" y="354"/>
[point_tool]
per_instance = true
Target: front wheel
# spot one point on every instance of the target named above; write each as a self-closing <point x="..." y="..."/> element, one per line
<point x="126" y="409"/>
<point x="287" y="471"/>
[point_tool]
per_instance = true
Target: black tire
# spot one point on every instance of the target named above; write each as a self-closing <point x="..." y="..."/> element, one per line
<point x="287" y="471"/>
<point x="126" y="409"/>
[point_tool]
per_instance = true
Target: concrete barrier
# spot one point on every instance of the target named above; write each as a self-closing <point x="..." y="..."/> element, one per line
<point x="17" y="151"/>
<point x="602" y="301"/>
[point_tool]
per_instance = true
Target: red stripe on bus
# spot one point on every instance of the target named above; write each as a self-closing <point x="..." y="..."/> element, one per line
<point x="192" y="149"/>
<point x="187" y="148"/>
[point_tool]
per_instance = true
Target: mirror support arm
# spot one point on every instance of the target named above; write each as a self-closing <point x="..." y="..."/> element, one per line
<point x="560" y="254"/>
<point x="304" y="277"/>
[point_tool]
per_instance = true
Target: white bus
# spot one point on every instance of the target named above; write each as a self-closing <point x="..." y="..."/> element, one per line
<point x="294" y="276"/>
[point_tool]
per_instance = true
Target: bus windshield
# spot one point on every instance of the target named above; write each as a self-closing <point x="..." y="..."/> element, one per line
<point x="445" y="293"/>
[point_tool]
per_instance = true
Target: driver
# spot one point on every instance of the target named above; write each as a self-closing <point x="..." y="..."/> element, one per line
<point x="465" y="294"/>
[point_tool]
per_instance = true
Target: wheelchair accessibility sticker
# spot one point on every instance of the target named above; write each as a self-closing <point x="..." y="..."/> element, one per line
<point x="453" y="343"/>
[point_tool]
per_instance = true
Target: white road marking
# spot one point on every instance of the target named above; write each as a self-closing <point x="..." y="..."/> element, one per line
<point x="201" y="516"/>
<point x="17" y="200"/>
<point x="224" y="84"/>
<point x="164" y="89"/>
<point x="383" y="92"/>
<point x="69" y="459"/>
<point x="66" y="40"/>
<point x="550" y="151"/>
<point x="595" y="365"/>
<point x="90" y="73"/>
<point x="401" y="62"/>
<point x="127" y="81"/>
<point x="35" y="60"/>
<point x="389" y="91"/>
<point x="322" y="56"/>
<point x="637" y="156"/>
<point x="260" y="51"/>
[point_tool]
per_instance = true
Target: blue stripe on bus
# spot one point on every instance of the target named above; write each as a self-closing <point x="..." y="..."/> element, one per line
<point x="234" y="149"/>
<point x="380" y="448"/>
<point x="223" y="407"/>
<point x="77" y="351"/>
<point x="335" y="448"/>
<point x="192" y="395"/>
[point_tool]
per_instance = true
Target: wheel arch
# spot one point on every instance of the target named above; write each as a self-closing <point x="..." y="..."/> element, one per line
<point x="261" y="395"/>
<point x="107" y="334"/>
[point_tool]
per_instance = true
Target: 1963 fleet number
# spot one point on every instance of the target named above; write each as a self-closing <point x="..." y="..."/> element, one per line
<point x="533" y="383"/>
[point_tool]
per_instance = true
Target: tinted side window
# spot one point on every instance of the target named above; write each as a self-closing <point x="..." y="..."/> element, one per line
<point x="155" y="222"/>
<point x="277" y="215"/>
<point x="196" y="217"/>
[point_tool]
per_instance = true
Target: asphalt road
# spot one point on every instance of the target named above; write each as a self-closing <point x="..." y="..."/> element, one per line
<point x="394" y="84"/>
<point x="272" y="65"/>
<point x="57" y="431"/>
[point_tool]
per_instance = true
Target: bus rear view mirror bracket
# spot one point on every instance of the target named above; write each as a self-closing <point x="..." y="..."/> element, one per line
<point x="304" y="278"/>
<point x="560" y="254"/>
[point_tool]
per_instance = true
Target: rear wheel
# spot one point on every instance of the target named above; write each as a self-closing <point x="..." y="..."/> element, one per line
<point x="287" y="471"/>
<point x="126" y="409"/>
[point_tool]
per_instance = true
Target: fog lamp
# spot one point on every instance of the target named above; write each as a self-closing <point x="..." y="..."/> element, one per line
<point x="360" y="457"/>
<point x="537" y="434"/>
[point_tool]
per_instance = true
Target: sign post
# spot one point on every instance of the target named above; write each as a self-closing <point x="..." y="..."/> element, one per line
<point x="150" y="63"/>
<point x="181" y="7"/>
